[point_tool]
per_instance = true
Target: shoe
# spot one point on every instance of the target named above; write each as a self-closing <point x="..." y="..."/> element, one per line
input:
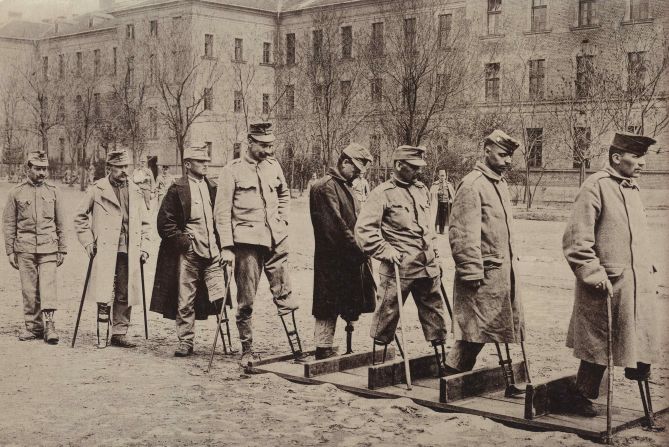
<point x="183" y="350"/>
<point x="247" y="359"/>
<point x="50" y="334"/>
<point x="121" y="341"/>
<point x="569" y="400"/>
<point x="325" y="353"/>
<point x="27" y="335"/>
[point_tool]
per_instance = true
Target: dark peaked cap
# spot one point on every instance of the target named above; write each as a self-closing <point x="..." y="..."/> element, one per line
<point x="629" y="142"/>
<point x="502" y="140"/>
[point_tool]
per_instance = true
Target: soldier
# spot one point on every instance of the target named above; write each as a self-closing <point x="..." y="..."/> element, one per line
<point x="143" y="177"/>
<point x="251" y="215"/>
<point x="112" y="225"/>
<point x="487" y="305"/>
<point x="343" y="282"/>
<point x="188" y="273"/>
<point x="394" y="227"/>
<point x="33" y="224"/>
<point x="163" y="182"/>
<point x="441" y="198"/>
<point x="361" y="188"/>
<point x="607" y="246"/>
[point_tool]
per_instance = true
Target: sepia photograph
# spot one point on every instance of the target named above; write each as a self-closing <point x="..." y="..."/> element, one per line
<point x="350" y="223"/>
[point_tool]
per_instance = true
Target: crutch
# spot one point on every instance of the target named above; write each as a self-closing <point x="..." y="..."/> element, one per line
<point x="401" y="326"/>
<point x="146" y="324"/>
<point x="609" y="357"/>
<point x="219" y="317"/>
<point x="83" y="297"/>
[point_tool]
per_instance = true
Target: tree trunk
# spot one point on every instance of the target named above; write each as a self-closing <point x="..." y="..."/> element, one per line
<point x="581" y="173"/>
<point x="527" y="196"/>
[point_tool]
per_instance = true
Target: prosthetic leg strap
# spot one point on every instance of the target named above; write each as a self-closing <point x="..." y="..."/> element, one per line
<point x="440" y="357"/>
<point x="293" y="335"/>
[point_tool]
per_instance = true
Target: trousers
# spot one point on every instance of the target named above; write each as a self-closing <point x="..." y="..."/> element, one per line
<point x="38" y="287"/>
<point x="120" y="309"/>
<point x="462" y="356"/>
<point x="589" y="377"/>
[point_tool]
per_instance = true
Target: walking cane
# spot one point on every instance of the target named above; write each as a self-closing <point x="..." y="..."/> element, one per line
<point x="83" y="297"/>
<point x="146" y="324"/>
<point x="219" y="318"/>
<point x="400" y="304"/>
<point x="609" y="393"/>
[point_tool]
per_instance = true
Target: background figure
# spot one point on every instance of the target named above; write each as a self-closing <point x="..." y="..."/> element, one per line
<point x="441" y="198"/>
<point x="163" y="182"/>
<point x="143" y="177"/>
<point x="33" y="226"/>
<point x="361" y="188"/>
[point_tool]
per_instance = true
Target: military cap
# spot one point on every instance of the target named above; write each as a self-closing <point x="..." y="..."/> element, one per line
<point x="358" y="155"/>
<point x="414" y="155"/>
<point x="261" y="132"/>
<point x="502" y="140"/>
<point x="442" y="171"/>
<point x="629" y="142"/>
<point x="197" y="151"/>
<point x="118" y="157"/>
<point x="38" y="158"/>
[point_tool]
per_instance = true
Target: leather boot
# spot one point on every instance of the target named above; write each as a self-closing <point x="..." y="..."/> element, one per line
<point x="50" y="334"/>
<point x="325" y="353"/>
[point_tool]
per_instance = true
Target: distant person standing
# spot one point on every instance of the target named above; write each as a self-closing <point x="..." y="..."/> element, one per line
<point x="361" y="187"/>
<point x="33" y="226"/>
<point x="143" y="177"/>
<point x="163" y="183"/>
<point x="441" y="198"/>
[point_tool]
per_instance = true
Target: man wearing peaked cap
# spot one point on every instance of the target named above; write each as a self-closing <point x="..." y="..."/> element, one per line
<point x="343" y="282"/>
<point x="112" y="224"/>
<point x="394" y="227"/>
<point x="251" y="215"/>
<point x="189" y="277"/>
<point x="143" y="177"/>
<point x="487" y="304"/>
<point x="33" y="226"/>
<point x="441" y="195"/>
<point x="607" y="245"/>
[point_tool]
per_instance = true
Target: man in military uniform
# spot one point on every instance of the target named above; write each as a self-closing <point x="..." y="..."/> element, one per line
<point x="343" y="282"/>
<point x="163" y="182"/>
<point x="441" y="198"/>
<point x="143" y="177"/>
<point x="487" y="305"/>
<point x="112" y="225"/>
<point x="33" y="224"/>
<point x="607" y="245"/>
<point x="394" y="227"/>
<point x="251" y="215"/>
<point x="188" y="272"/>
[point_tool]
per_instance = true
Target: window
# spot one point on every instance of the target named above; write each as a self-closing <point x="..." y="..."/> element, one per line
<point x="494" y="17"/>
<point x="316" y="151"/>
<point x="535" y="141"/>
<point x="584" y="74"/>
<point x="61" y="66"/>
<point x="317" y="43"/>
<point x="238" y="103"/>
<point x="61" y="149"/>
<point x="290" y="98"/>
<point x="153" y="28"/>
<point x="130" y="73"/>
<point x="586" y="12"/>
<point x="266" y="53"/>
<point x="318" y="96"/>
<point x="209" y="147"/>
<point x="153" y="123"/>
<point x="265" y="104"/>
<point x="130" y="31"/>
<point x="96" y="105"/>
<point x="45" y="68"/>
<point x="114" y="61"/>
<point x="208" y="97"/>
<point x="152" y="69"/>
<point x="636" y="72"/>
<point x="290" y="48"/>
<point x="236" y="150"/>
<point x="410" y="33"/>
<point x="60" y="109"/>
<point x="492" y="82"/>
<point x="375" y="146"/>
<point x="239" y="50"/>
<point x="377" y="39"/>
<point x="346" y="42"/>
<point x="539" y="15"/>
<point x="80" y="61"/>
<point x="537" y="77"/>
<point x="581" y="146"/>
<point x="377" y="90"/>
<point x="445" y="22"/>
<point x="345" y="89"/>
<point x="96" y="62"/>
<point x="208" y="45"/>
<point x="639" y="10"/>
<point x="443" y="86"/>
<point x="408" y="95"/>
<point x="90" y="22"/>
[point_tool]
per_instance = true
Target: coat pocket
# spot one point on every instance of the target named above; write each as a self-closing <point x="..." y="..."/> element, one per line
<point x="48" y="207"/>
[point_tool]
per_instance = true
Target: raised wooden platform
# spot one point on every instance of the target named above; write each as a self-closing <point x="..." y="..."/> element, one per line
<point x="479" y="392"/>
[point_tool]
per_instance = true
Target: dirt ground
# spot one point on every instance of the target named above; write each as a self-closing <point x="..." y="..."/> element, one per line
<point x="55" y="395"/>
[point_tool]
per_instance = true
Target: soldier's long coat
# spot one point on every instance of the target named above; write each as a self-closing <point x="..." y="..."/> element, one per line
<point x="480" y="234"/>
<point x="98" y="219"/>
<point x="607" y="236"/>
<point x="343" y="282"/>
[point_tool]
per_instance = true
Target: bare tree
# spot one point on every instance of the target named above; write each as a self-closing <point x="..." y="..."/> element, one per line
<point x="12" y="132"/>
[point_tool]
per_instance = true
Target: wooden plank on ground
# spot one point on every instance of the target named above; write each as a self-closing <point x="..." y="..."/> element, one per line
<point x="276" y="358"/>
<point x="392" y="373"/>
<point x="477" y="382"/>
<point x="342" y="363"/>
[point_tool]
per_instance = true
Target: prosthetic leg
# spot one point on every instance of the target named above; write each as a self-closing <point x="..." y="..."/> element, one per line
<point x="292" y="334"/>
<point x="104" y="313"/>
<point x="349" y="337"/>
<point x="509" y="379"/>
<point x="644" y="390"/>
<point x="224" y="320"/>
<point x="440" y="357"/>
<point x="385" y="351"/>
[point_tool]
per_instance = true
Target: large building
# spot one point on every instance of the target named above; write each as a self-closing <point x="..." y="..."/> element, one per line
<point x="537" y="70"/>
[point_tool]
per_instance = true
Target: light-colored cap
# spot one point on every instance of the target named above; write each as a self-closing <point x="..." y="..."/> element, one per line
<point x="359" y="155"/>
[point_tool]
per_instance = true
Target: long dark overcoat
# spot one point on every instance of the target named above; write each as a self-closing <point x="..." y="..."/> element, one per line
<point x="343" y="281"/>
<point x="173" y="215"/>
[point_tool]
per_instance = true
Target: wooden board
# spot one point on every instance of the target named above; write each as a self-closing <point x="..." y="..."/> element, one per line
<point x="392" y="373"/>
<point x="342" y="363"/>
<point x="475" y="383"/>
